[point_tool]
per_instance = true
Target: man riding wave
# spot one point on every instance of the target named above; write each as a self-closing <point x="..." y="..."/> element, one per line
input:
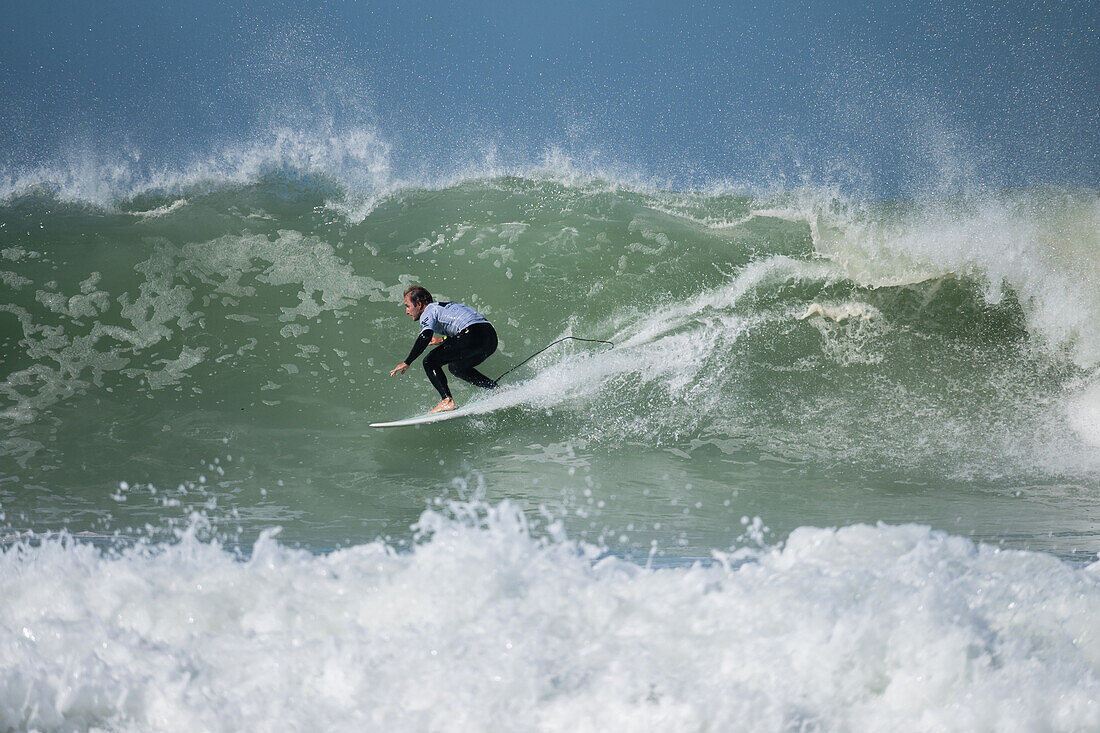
<point x="463" y="339"/>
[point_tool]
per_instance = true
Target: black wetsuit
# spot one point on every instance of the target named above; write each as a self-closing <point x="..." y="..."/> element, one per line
<point x="462" y="352"/>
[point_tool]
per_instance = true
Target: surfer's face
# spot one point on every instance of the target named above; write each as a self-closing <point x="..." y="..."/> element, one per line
<point x="413" y="309"/>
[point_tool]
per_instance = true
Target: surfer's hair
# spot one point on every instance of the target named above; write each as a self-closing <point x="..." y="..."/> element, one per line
<point x="418" y="295"/>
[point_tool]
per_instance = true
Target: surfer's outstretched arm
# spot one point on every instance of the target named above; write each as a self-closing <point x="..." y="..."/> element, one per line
<point x="423" y="341"/>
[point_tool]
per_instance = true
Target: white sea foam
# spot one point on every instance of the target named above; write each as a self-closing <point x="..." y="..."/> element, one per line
<point x="1083" y="409"/>
<point x="163" y="309"/>
<point x="161" y="210"/>
<point x="1043" y="245"/>
<point x="666" y="345"/>
<point x="840" y="312"/>
<point x="483" y="626"/>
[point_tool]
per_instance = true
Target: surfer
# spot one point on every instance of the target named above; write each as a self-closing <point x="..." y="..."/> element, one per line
<point x="467" y="340"/>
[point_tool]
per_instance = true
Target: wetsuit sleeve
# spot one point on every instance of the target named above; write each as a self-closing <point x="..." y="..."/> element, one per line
<point x="419" y="345"/>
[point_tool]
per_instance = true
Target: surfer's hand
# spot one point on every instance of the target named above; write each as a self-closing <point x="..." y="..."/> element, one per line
<point x="399" y="369"/>
<point x="436" y="341"/>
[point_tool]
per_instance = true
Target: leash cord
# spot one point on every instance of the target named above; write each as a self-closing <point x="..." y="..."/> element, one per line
<point x="532" y="356"/>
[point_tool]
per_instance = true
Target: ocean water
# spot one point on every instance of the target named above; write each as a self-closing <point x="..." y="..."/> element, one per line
<point x="838" y="471"/>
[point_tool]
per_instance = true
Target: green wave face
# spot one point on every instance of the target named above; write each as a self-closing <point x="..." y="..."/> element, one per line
<point x="778" y="354"/>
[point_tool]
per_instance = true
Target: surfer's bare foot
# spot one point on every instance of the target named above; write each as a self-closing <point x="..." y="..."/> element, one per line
<point x="445" y="406"/>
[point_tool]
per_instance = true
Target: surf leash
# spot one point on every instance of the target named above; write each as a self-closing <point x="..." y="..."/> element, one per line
<point x="544" y="348"/>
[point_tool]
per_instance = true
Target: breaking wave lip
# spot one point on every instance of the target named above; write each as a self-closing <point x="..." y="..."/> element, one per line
<point x="486" y="620"/>
<point x="356" y="158"/>
<point x="355" y="166"/>
<point x="1041" y="244"/>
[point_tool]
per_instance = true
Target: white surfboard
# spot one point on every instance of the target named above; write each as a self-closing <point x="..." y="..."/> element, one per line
<point x="423" y="419"/>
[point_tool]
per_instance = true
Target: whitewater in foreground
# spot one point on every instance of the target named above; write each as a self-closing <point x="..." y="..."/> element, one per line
<point x="486" y="624"/>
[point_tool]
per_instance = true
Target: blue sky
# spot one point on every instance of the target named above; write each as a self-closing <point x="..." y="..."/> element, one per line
<point x="883" y="98"/>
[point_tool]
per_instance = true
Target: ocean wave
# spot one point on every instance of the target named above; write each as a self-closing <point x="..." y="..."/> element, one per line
<point x="1038" y="245"/>
<point x="903" y="332"/>
<point x="1041" y="245"/>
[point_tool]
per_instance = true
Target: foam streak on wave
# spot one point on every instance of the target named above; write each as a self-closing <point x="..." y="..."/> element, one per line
<point x="663" y="347"/>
